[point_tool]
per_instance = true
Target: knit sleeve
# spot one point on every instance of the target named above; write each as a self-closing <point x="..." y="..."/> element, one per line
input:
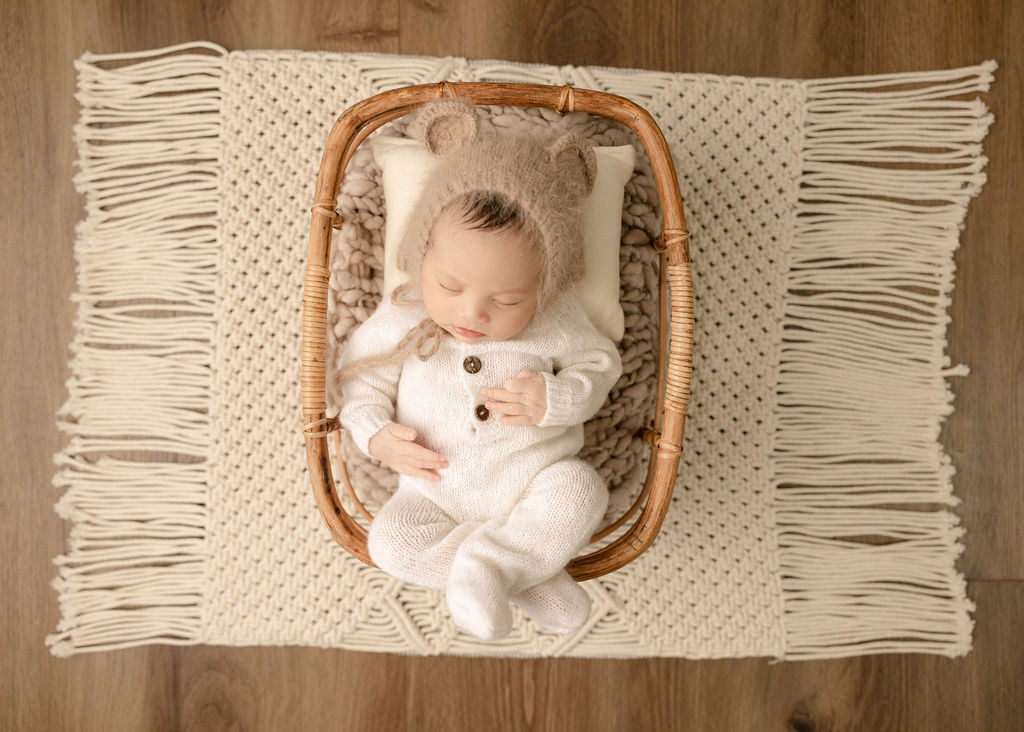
<point x="368" y="398"/>
<point x="585" y="370"/>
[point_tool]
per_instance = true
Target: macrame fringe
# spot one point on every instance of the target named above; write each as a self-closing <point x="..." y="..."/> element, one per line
<point x="146" y="253"/>
<point x="867" y="560"/>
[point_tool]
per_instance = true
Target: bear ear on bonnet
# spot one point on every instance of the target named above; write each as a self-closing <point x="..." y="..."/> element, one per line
<point x="444" y="125"/>
<point x="575" y="161"/>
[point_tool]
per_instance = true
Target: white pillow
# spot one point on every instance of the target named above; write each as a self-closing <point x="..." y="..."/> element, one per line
<point x="407" y="165"/>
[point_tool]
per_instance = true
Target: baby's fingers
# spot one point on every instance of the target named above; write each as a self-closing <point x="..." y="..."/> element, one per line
<point x="509" y="409"/>
<point x="431" y="475"/>
<point x="519" y="420"/>
<point x="420" y="457"/>
<point x="502" y="395"/>
<point x="417" y="461"/>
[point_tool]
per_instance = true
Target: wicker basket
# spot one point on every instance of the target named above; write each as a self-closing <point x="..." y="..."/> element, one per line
<point x="675" y="326"/>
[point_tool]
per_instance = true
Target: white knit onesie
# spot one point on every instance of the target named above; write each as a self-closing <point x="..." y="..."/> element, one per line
<point x="515" y="504"/>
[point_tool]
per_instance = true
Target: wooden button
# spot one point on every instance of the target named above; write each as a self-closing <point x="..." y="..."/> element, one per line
<point x="472" y="364"/>
<point x="482" y="413"/>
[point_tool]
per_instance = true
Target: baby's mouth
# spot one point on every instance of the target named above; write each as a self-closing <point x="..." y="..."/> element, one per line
<point x="466" y="332"/>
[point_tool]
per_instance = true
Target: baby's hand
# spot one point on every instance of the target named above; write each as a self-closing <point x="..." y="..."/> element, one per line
<point x="523" y="401"/>
<point x="395" y="446"/>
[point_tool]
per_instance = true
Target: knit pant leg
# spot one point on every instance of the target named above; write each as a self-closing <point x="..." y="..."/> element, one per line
<point x="504" y="556"/>
<point x="412" y="539"/>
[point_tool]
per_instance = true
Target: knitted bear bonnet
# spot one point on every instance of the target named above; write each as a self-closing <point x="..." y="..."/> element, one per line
<point x="549" y="182"/>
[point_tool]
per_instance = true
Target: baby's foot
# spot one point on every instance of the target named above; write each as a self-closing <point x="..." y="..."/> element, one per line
<point x="478" y="603"/>
<point x="558" y="604"/>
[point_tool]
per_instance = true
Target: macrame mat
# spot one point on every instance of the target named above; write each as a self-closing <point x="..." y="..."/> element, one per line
<point x="811" y="518"/>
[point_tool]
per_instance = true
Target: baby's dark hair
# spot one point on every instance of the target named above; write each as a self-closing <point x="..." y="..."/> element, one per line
<point x="492" y="211"/>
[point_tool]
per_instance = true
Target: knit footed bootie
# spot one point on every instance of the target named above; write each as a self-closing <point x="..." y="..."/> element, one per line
<point x="478" y="602"/>
<point x="559" y="604"/>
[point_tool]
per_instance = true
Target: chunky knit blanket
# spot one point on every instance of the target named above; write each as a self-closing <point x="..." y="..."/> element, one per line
<point x="812" y="515"/>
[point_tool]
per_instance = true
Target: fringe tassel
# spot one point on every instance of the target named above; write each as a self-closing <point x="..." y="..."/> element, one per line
<point x="146" y="251"/>
<point x="889" y="165"/>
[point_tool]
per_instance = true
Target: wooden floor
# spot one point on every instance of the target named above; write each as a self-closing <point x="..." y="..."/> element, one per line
<point x="202" y="688"/>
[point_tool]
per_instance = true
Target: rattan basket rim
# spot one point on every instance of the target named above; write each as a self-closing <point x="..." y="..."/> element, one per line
<point x="675" y="297"/>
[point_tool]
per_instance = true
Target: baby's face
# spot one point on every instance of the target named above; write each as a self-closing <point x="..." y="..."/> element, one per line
<point x="479" y="285"/>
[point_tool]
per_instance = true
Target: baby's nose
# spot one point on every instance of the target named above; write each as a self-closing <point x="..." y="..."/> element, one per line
<point x="476" y="311"/>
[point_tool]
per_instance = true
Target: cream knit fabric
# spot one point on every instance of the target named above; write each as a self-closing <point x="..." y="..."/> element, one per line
<point x="822" y="282"/>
